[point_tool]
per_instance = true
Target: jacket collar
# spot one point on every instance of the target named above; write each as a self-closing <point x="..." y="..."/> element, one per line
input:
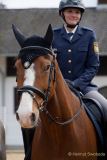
<point x="76" y="36"/>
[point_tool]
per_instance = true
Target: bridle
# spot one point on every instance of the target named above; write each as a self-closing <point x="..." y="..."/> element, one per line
<point x="45" y="96"/>
<point x="34" y="90"/>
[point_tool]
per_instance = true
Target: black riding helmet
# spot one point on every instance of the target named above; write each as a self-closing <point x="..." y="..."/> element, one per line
<point x="71" y="4"/>
<point x="64" y="4"/>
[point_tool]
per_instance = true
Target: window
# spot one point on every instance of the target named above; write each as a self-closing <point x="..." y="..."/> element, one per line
<point x="103" y="66"/>
<point x="103" y="91"/>
<point x="10" y="70"/>
<point x="102" y="1"/>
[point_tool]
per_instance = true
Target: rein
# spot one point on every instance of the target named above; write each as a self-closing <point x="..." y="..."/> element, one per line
<point x="70" y="120"/>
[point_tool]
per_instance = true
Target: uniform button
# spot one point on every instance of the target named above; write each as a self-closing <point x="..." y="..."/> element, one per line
<point x="69" y="61"/>
<point x="69" y="72"/>
<point x="69" y="50"/>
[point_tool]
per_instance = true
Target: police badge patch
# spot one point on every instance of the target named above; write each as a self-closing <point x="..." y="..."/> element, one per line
<point x="96" y="47"/>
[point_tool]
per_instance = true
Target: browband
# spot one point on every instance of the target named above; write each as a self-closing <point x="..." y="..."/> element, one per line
<point x="28" y="54"/>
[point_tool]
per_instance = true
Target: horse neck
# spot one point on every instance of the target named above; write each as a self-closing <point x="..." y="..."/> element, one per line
<point x="65" y="100"/>
<point x="62" y="106"/>
<point x="64" y="103"/>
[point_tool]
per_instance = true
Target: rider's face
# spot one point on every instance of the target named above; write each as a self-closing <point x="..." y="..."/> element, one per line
<point x="72" y="16"/>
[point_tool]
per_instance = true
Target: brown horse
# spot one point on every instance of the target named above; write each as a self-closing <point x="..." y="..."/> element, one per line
<point x="63" y="129"/>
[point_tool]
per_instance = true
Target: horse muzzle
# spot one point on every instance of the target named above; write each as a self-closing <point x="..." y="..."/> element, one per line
<point x="28" y="121"/>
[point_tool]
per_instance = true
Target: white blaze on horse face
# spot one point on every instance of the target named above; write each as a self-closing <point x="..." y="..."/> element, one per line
<point x="29" y="76"/>
<point x="26" y="103"/>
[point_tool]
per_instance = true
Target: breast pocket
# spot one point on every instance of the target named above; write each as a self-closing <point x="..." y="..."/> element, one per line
<point x="83" y="49"/>
<point x="82" y="53"/>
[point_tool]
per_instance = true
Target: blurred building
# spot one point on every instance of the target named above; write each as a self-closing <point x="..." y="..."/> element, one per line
<point x="35" y="21"/>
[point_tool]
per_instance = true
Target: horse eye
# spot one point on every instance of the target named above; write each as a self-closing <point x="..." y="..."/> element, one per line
<point x="46" y="68"/>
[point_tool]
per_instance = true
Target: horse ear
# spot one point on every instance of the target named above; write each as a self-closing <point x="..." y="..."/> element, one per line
<point x="19" y="36"/>
<point x="49" y="35"/>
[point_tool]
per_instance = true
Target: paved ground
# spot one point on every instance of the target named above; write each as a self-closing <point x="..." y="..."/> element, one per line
<point x="15" y="155"/>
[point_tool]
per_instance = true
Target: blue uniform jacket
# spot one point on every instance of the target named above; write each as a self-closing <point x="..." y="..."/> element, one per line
<point x="78" y="59"/>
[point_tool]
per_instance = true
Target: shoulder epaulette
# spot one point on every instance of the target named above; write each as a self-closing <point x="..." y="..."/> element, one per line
<point x="56" y="29"/>
<point x="88" y="29"/>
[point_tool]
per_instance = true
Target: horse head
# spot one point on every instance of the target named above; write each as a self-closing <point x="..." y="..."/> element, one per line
<point x="34" y="74"/>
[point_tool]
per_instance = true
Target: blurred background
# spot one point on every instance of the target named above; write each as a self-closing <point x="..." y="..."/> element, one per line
<point x="33" y="17"/>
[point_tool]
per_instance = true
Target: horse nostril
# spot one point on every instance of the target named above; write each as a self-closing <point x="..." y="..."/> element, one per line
<point x="33" y="117"/>
<point x="17" y="116"/>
